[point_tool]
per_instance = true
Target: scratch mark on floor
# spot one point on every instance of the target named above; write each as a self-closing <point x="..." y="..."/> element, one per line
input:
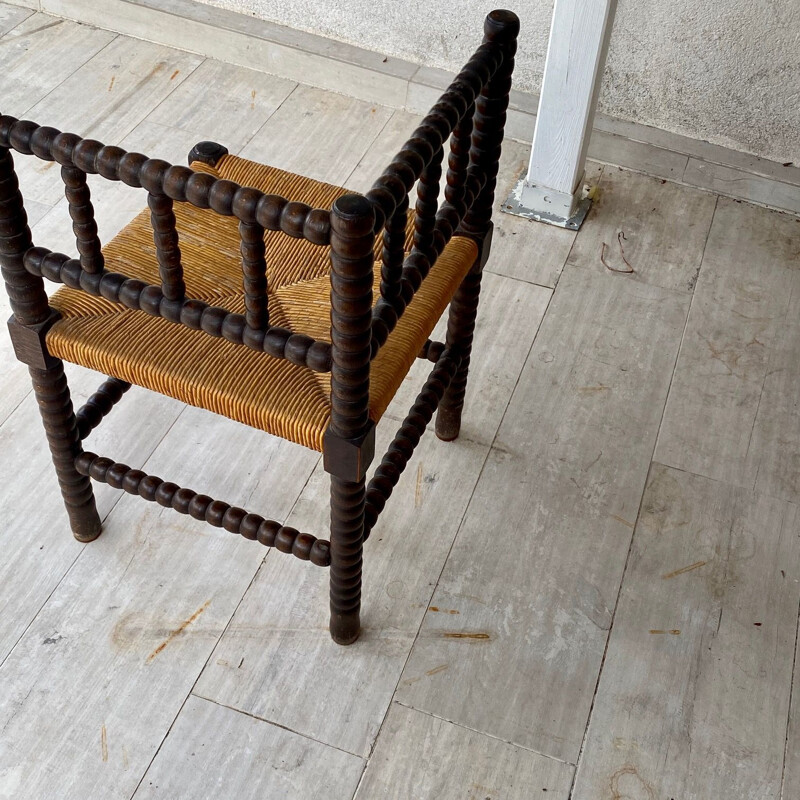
<point x="589" y="466"/>
<point x="178" y="631"/>
<point x="104" y="743"/>
<point x="623" y="521"/>
<point x="689" y="568"/>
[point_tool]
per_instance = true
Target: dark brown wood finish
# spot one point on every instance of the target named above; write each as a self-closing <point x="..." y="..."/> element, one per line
<point x="254" y="267"/>
<point x="99" y="405"/>
<point x="458" y="160"/>
<point x="352" y="242"/>
<point x="489" y="120"/>
<point x="55" y="406"/>
<point x="407" y="438"/>
<point x="192" y="313"/>
<point x="31" y="310"/>
<point x="467" y="124"/>
<point x="431" y="351"/>
<point x="168" y="251"/>
<point x="202" y="507"/>
<point x="501" y="30"/>
<point x="29" y="342"/>
<point x="180" y="184"/>
<point x="84" y="226"/>
<point x="460" y="330"/>
<point x="207" y="153"/>
<point x="394" y="239"/>
<point x="427" y="205"/>
<point x="460" y="111"/>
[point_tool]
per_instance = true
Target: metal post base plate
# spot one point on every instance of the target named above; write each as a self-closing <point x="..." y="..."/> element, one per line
<point x="516" y="206"/>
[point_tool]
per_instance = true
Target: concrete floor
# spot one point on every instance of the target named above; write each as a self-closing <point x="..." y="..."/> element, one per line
<point x="593" y="594"/>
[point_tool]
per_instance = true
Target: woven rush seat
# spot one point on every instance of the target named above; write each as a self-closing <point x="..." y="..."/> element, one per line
<point x="252" y="387"/>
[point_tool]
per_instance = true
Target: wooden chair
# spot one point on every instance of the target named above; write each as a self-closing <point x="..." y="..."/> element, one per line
<point x="303" y="352"/>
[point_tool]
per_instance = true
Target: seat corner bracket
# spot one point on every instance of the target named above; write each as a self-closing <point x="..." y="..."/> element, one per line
<point x="348" y="459"/>
<point x="29" y="342"/>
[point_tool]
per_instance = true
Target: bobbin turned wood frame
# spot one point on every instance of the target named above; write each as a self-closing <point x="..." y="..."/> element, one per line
<point x="471" y="113"/>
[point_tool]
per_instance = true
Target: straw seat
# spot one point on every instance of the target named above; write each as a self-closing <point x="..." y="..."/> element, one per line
<point x="272" y="394"/>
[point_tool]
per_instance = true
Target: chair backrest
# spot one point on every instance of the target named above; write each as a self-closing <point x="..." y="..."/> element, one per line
<point x="164" y="184"/>
<point x="471" y="113"/>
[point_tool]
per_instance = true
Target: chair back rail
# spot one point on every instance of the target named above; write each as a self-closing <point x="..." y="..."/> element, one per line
<point x="168" y="251"/>
<point x="83" y="223"/>
<point x="165" y="184"/>
<point x="393" y="254"/>
<point x="472" y="113"/>
<point x="254" y="267"/>
<point x="196" y="314"/>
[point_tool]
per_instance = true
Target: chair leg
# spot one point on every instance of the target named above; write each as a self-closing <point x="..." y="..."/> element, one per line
<point x="500" y="28"/>
<point x="32" y="316"/>
<point x="55" y="405"/>
<point x="347" y="535"/>
<point x="460" y="331"/>
<point x="349" y="440"/>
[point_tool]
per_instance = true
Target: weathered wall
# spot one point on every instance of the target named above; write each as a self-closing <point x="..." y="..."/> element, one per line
<point x="727" y="72"/>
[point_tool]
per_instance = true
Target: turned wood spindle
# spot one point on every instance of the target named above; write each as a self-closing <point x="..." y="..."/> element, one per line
<point x="427" y="205"/>
<point x="394" y="241"/>
<point x="84" y="225"/>
<point x="254" y="267"/>
<point x="168" y="252"/>
<point x="31" y="311"/>
<point x="352" y="242"/>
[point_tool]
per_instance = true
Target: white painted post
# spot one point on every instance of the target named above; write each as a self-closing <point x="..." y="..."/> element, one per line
<point x="552" y="191"/>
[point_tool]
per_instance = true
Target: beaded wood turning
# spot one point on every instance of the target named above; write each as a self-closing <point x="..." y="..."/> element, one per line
<point x="298" y="316"/>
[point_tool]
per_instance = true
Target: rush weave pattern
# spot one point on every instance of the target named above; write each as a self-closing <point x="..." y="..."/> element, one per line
<point x="268" y="393"/>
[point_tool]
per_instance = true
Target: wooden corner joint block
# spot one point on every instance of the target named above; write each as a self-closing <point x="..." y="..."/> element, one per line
<point x="348" y="459"/>
<point x="29" y="342"/>
<point x="484" y="242"/>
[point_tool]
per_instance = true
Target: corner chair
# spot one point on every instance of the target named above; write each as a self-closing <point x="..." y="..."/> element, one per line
<point x="297" y="316"/>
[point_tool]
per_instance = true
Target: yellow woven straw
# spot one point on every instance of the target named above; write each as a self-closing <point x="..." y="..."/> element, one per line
<point x="254" y="388"/>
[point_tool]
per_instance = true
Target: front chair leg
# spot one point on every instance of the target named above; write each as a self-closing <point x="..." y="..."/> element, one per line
<point x="55" y="405"/>
<point x="347" y="535"/>
<point x="349" y="443"/>
<point x="460" y="331"/>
